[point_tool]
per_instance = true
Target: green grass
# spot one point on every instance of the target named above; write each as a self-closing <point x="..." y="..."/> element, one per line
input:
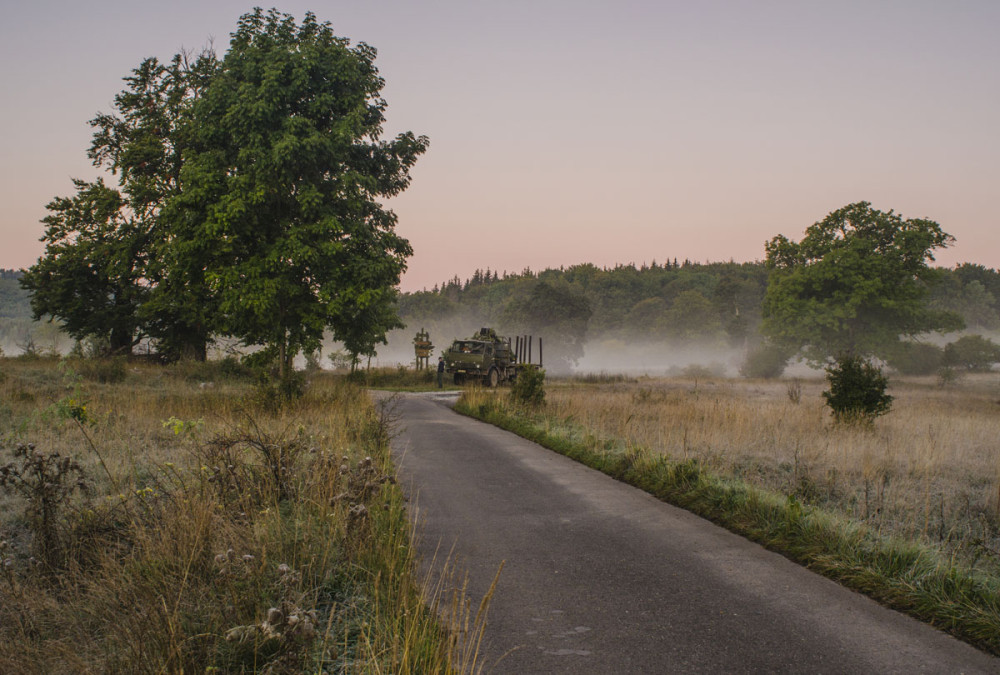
<point x="901" y="575"/>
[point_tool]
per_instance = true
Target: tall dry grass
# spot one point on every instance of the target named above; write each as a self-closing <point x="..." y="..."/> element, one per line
<point x="928" y="471"/>
<point x="216" y="533"/>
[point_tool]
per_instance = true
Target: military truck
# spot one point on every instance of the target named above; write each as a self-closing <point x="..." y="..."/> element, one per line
<point x="486" y="357"/>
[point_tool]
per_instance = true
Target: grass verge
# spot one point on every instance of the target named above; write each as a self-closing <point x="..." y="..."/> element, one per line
<point x="900" y="575"/>
<point x="177" y="520"/>
<point x="400" y="379"/>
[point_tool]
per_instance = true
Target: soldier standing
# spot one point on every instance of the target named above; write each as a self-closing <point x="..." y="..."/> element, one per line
<point x="440" y="372"/>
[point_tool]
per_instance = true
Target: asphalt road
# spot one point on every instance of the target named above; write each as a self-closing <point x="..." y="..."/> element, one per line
<point x="600" y="577"/>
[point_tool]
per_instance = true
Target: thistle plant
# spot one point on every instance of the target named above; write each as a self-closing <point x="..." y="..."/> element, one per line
<point x="47" y="482"/>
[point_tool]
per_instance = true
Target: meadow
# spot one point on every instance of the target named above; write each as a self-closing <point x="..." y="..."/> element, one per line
<point x="929" y="471"/>
<point x="188" y="519"/>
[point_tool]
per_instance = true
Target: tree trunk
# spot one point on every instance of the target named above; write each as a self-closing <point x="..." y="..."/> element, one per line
<point x="120" y="341"/>
<point x="282" y="352"/>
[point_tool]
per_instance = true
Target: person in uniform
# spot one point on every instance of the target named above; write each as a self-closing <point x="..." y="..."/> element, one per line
<point x="440" y="372"/>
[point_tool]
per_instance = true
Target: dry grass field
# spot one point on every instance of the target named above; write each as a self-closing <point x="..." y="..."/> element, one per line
<point x="927" y="471"/>
<point x="185" y="519"/>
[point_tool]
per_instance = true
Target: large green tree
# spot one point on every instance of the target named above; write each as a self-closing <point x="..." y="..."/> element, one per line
<point x="144" y="142"/>
<point x="109" y="253"/>
<point x="855" y="284"/>
<point x="284" y="177"/>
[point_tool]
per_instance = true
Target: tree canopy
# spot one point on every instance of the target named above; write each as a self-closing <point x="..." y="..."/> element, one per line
<point x="855" y="284"/>
<point x="91" y="276"/>
<point x="247" y="201"/>
<point x="290" y="167"/>
<point x="557" y="313"/>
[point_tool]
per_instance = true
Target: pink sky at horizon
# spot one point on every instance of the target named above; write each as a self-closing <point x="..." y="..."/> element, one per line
<point x="570" y="132"/>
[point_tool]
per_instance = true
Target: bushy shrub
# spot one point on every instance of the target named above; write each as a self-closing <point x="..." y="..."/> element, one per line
<point x="47" y="482"/>
<point x="973" y="353"/>
<point x="766" y="361"/>
<point x="915" y="358"/>
<point x="702" y="371"/>
<point x="529" y="386"/>
<point x="231" y="367"/>
<point x="857" y="390"/>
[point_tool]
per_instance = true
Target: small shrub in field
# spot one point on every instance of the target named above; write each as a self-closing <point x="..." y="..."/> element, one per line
<point x="857" y="390"/>
<point x="231" y="367"/>
<point x="252" y="464"/>
<point x="46" y="481"/>
<point x="794" y="391"/>
<point x="766" y="361"/>
<point x="699" y="371"/>
<point x="269" y="394"/>
<point x="340" y="360"/>
<point x="529" y="386"/>
<point x="949" y="376"/>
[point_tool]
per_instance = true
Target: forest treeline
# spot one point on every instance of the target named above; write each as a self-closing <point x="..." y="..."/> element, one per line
<point x="714" y="304"/>
<point x="709" y="304"/>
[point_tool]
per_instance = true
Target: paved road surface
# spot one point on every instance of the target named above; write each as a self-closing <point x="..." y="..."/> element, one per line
<point x="602" y="578"/>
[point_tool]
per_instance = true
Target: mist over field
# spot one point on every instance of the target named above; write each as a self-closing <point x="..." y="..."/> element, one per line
<point x="684" y="319"/>
<point x="609" y="355"/>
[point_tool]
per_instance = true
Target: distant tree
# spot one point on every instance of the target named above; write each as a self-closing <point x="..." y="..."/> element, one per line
<point x="738" y="296"/>
<point x="850" y="290"/>
<point x="976" y="305"/>
<point x="973" y="353"/>
<point x="989" y="278"/>
<point x="692" y="317"/>
<point x="648" y="318"/>
<point x="15" y="303"/>
<point x="854" y="285"/>
<point x="288" y="166"/>
<point x="765" y="361"/>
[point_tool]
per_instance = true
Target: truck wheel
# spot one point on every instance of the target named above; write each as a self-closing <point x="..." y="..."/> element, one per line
<point x="494" y="377"/>
<point x="459" y="379"/>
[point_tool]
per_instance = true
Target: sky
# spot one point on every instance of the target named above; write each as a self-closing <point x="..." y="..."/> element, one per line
<point x="565" y="132"/>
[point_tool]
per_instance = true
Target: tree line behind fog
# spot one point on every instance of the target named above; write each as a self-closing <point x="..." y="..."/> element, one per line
<point x="711" y="305"/>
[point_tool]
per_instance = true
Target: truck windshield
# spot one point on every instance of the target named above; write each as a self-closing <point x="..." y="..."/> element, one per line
<point x="467" y="347"/>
